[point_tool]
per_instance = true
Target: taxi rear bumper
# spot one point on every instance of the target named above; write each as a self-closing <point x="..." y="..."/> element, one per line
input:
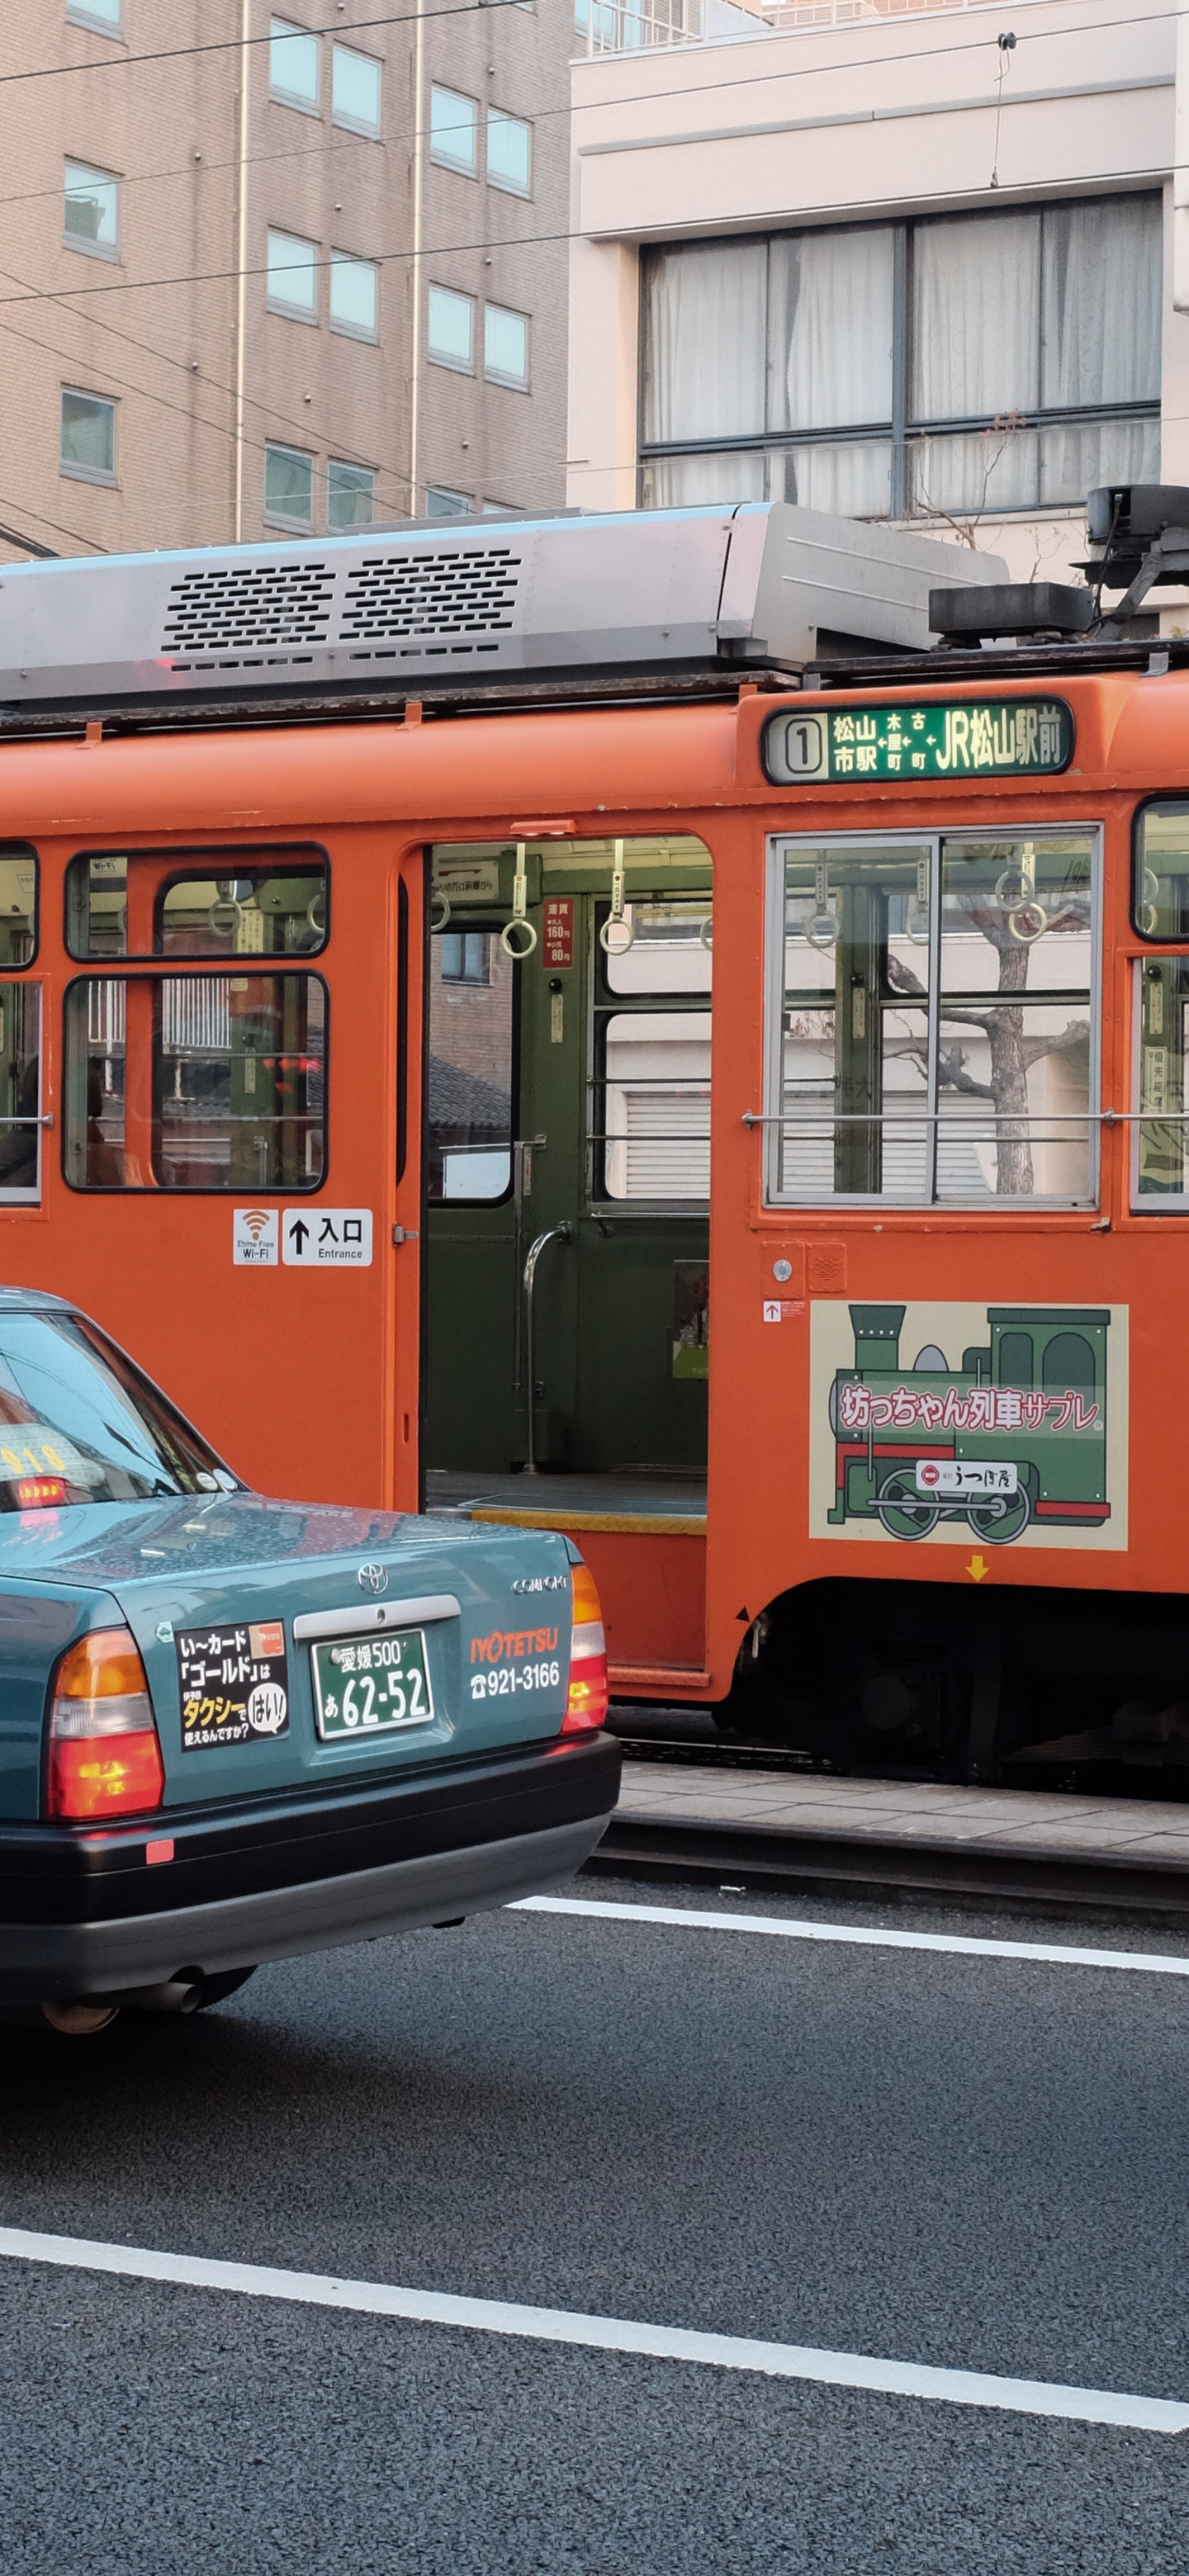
<point x="89" y="1913"/>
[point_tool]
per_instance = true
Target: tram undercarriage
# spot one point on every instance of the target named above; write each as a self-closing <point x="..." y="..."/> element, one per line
<point x="932" y="1680"/>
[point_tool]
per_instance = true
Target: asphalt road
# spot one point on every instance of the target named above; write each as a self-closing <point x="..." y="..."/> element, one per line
<point x="978" y="2163"/>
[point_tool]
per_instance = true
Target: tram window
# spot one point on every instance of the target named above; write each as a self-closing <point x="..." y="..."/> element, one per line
<point x="663" y="947"/>
<point x="1160" y="1137"/>
<point x="1160" y="890"/>
<point x="20" y="1091"/>
<point x="18" y="904"/>
<point x="979" y="1088"/>
<point x="231" y="1067"/>
<point x="472" y="992"/>
<point x="232" y="904"/>
<point x="1014" y="1069"/>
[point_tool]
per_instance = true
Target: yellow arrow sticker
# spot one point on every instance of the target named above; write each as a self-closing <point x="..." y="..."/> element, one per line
<point x="977" y="1567"/>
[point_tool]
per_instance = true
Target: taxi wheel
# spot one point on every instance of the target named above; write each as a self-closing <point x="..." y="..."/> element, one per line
<point x="215" y="1990"/>
<point x="79" y="2021"/>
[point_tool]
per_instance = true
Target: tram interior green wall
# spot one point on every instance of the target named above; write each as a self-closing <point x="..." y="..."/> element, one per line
<point x="604" y="1301"/>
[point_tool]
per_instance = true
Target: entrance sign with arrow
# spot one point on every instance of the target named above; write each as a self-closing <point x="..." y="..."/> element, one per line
<point x="318" y="1238"/>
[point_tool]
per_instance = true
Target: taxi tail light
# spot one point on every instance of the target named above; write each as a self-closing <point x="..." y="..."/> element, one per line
<point x="105" y="1756"/>
<point x="586" y="1705"/>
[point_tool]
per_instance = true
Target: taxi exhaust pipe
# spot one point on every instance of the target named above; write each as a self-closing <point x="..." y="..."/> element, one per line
<point x="178" y="1995"/>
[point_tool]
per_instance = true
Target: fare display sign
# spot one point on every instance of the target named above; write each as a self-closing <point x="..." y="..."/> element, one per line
<point x="982" y="737"/>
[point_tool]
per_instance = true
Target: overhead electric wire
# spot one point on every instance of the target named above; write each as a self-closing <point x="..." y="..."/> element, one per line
<point x="687" y="52"/>
<point x="78" y="302"/>
<point x="68" y="297"/>
<point x="125" y="61"/>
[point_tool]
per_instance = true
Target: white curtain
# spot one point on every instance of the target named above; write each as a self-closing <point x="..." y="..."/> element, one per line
<point x="1100" y="302"/>
<point x="1074" y="460"/>
<point x="831" y="330"/>
<point x="705" y="331"/>
<point x="988" y="469"/>
<point x="853" y="478"/>
<point x="682" y="482"/>
<point x="976" y="316"/>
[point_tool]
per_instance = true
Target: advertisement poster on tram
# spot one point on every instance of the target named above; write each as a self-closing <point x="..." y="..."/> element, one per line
<point x="948" y="1423"/>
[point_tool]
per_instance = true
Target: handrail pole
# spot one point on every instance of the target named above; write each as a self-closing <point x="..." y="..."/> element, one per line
<point x="555" y="1234"/>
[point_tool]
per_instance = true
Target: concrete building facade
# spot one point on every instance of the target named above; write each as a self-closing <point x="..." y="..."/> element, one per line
<point x="294" y="270"/>
<point x="918" y="264"/>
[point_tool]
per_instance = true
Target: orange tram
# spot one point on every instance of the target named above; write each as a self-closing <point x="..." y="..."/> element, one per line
<point x="730" y="1112"/>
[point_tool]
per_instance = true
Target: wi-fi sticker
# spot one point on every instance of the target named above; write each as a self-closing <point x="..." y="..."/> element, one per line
<point x="255" y="1237"/>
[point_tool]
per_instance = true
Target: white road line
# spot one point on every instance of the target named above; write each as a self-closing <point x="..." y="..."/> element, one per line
<point x="608" y="2334"/>
<point x="1152" y="1963"/>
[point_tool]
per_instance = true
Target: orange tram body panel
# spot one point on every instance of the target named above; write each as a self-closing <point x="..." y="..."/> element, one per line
<point x="948" y="1373"/>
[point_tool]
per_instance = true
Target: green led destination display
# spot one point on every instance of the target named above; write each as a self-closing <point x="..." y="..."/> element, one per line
<point x="981" y="738"/>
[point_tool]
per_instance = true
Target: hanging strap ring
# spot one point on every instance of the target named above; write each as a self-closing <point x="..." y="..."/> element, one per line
<point x="706" y="931"/>
<point x="519" y="920"/>
<point x="617" y="917"/>
<point x="1028" y="922"/>
<point x="443" y="913"/>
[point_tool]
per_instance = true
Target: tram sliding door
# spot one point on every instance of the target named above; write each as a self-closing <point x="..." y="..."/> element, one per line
<point x="568" y="1108"/>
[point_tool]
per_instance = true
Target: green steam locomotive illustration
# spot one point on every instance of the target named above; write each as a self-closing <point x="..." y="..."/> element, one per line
<point x="1014" y="1435"/>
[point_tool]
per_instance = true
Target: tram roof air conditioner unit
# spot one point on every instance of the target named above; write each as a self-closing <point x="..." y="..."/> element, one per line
<point x="484" y="599"/>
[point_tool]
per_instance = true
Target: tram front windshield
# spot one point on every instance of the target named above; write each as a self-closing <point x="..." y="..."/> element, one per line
<point x="79" y="1424"/>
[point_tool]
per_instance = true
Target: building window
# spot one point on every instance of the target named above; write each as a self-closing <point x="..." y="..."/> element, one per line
<point x="293" y="65"/>
<point x="354" y="295"/>
<point x="440" y="504"/>
<point x="106" y="16"/>
<point x="292" y="276"/>
<point x="453" y="130"/>
<point x="509" y="153"/>
<point x="91" y="211"/>
<point x="288" y="487"/>
<point x="354" y="90"/>
<point x="965" y="363"/>
<point x="505" y="346"/>
<point x="350" y="495"/>
<point x="88" y="437"/>
<point x="451" y="340"/>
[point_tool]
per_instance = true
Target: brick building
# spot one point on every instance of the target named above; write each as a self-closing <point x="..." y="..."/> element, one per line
<point x="295" y="270"/>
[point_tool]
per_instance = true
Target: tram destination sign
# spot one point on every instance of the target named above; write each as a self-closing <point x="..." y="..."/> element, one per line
<point x="980" y="737"/>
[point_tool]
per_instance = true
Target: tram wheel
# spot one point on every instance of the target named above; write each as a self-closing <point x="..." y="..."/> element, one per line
<point x="1001" y="1523"/>
<point x="904" y="1512"/>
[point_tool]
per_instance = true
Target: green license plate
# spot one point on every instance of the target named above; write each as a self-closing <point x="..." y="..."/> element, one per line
<point x="371" y="1685"/>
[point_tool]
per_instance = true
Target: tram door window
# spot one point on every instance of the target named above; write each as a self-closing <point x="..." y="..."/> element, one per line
<point x="933" y="1030"/>
<point x="1160" y="1147"/>
<point x="569" y="1098"/>
<point x="20" y="1029"/>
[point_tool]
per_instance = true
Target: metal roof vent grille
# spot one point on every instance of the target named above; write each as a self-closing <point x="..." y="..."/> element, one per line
<point x="224" y="612"/>
<point x="471" y="591"/>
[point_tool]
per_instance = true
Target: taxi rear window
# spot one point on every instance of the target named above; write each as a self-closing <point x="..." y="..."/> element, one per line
<point x="79" y="1423"/>
<point x="197" y="903"/>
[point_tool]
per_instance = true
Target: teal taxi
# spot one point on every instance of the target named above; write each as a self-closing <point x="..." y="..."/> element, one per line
<point x="234" y="1729"/>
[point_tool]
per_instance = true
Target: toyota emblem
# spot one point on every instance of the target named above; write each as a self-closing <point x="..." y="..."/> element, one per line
<point x="373" y="1578"/>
